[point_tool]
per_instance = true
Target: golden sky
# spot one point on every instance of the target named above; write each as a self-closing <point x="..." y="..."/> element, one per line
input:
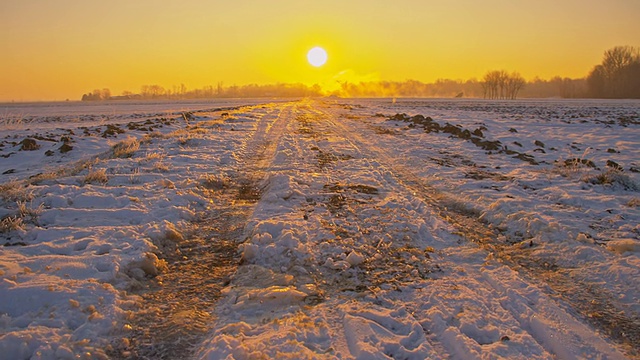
<point x="59" y="49"/>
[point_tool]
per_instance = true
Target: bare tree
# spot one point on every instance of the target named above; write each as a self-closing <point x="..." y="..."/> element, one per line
<point x="491" y="84"/>
<point x="618" y="58"/>
<point x="618" y="75"/>
<point x="514" y="83"/>
<point x="614" y="62"/>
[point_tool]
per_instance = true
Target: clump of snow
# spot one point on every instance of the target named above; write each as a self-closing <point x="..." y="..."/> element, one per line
<point x="146" y="265"/>
<point x="355" y="259"/>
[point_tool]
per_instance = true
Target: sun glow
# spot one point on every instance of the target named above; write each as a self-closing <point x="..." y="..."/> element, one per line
<point x="317" y="56"/>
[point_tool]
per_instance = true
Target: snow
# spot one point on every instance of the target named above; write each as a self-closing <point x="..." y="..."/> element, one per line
<point x="365" y="229"/>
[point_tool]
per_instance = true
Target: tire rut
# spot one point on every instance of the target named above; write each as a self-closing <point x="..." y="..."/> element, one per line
<point x="585" y="301"/>
<point x="176" y="306"/>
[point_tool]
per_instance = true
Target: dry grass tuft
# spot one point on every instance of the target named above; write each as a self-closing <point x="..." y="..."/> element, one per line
<point x="30" y="212"/>
<point x="161" y="166"/>
<point x="98" y="176"/>
<point x="11" y="223"/>
<point x="126" y="148"/>
<point x="155" y="135"/>
<point x="134" y="177"/>
<point x="46" y="176"/>
<point x="154" y="156"/>
<point x="15" y="191"/>
<point x="199" y="130"/>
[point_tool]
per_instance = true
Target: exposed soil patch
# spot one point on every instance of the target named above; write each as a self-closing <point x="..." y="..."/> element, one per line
<point x="175" y="311"/>
<point x="326" y="158"/>
<point x="475" y="136"/>
<point x="249" y="192"/>
<point x="482" y="175"/>
<point x="344" y="194"/>
<point x="359" y="188"/>
<point x="112" y="130"/>
<point x="573" y="162"/>
<point x="398" y="265"/>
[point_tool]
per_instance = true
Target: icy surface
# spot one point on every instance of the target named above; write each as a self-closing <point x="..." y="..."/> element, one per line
<point x="375" y="229"/>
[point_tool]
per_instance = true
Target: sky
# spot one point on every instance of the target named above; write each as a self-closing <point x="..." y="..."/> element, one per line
<point x="57" y="50"/>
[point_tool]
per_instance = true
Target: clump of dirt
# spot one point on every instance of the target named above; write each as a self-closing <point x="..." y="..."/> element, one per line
<point x="65" y="148"/>
<point x="577" y="162"/>
<point x="112" y="130"/>
<point x="29" y="144"/>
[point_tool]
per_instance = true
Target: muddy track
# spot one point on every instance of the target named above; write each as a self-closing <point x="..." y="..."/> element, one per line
<point x="591" y="304"/>
<point x="175" y="306"/>
<point x="175" y="310"/>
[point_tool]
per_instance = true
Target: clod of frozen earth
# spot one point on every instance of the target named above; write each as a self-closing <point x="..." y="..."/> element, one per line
<point x="354" y="258"/>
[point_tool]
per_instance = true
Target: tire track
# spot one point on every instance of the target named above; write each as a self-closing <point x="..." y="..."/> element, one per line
<point x="591" y="305"/>
<point x="175" y="309"/>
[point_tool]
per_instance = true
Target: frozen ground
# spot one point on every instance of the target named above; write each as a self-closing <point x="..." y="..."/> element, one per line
<point x="364" y="229"/>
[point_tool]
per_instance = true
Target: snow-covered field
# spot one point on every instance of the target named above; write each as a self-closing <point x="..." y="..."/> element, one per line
<point x="331" y="228"/>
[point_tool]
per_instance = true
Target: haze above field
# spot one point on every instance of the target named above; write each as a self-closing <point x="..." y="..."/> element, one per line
<point x="59" y="50"/>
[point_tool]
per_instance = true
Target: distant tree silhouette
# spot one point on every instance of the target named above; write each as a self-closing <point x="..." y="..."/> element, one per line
<point x="618" y="76"/>
<point x="499" y="84"/>
<point x="97" y="95"/>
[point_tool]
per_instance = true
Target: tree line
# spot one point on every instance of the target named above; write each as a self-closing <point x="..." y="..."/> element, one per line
<point x="618" y="76"/>
<point x="158" y="92"/>
<point x="442" y="88"/>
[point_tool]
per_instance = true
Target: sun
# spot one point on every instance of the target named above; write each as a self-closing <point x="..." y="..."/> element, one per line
<point x="317" y="56"/>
